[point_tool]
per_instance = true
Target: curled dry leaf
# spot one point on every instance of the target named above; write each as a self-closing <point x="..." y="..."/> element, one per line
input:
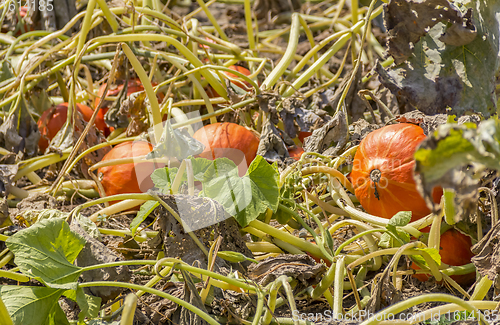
<point x="330" y="138"/>
<point x="208" y="220"/>
<point x="7" y="173"/>
<point x="487" y="253"/>
<point x="295" y="112"/>
<point x="300" y="267"/>
<point x="19" y="132"/>
<point x="272" y="146"/>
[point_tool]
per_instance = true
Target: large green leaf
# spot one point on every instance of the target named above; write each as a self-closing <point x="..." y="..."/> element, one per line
<point x="33" y="216"/>
<point x="245" y="197"/>
<point x="443" y="78"/>
<point x="47" y="250"/>
<point x="33" y="305"/>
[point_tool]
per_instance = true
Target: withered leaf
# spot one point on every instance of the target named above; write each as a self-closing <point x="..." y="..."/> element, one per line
<point x="330" y="138"/>
<point x="487" y="253"/>
<point x="19" y="132"/>
<point x="443" y="70"/>
<point x="272" y="145"/>
<point x="300" y="267"/>
<point x="408" y="20"/>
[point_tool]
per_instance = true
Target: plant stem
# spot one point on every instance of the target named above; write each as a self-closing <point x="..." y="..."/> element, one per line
<point x="159" y="293"/>
<point x="287" y="58"/>
<point x="409" y="303"/>
<point x="289" y="238"/>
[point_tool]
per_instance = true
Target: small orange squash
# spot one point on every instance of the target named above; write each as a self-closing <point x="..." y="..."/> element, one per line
<point x="455" y="250"/>
<point x="295" y="152"/>
<point x="120" y="179"/>
<point x="382" y="173"/>
<point x="228" y="140"/>
<point x="303" y="135"/>
<point x="53" y="119"/>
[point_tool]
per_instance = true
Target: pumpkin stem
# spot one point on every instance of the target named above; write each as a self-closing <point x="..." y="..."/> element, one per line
<point x="375" y="176"/>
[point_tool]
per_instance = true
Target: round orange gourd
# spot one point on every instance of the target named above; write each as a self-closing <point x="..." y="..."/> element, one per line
<point x="382" y="173"/>
<point x="295" y="152"/>
<point x="455" y="250"/>
<point x="228" y="140"/>
<point x="303" y="135"/>
<point x="53" y="119"/>
<point x="123" y="178"/>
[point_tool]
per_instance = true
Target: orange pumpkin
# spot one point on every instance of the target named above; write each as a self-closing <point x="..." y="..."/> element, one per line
<point x="455" y="250"/>
<point x="23" y="12"/>
<point x="295" y="152"/>
<point x="53" y="119"/>
<point x="303" y="135"/>
<point x="120" y="179"/>
<point x="228" y="140"/>
<point x="382" y="173"/>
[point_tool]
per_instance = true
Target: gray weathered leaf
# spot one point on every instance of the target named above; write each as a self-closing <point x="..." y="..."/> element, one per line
<point x="330" y="138"/>
<point x="445" y="78"/>
<point x="19" y="132"/>
<point x="408" y="20"/>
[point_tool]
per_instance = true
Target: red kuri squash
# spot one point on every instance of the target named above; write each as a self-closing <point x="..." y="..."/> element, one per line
<point x="54" y="118"/>
<point x="382" y="173"/>
<point x="123" y="178"/>
<point x="295" y="152"/>
<point x="228" y="140"/>
<point x="455" y="250"/>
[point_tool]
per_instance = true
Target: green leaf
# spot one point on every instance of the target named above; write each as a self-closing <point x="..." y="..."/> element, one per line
<point x="33" y="216"/>
<point x="434" y="253"/>
<point x="146" y="209"/>
<point x="386" y="241"/>
<point x="33" y="305"/>
<point x="57" y="316"/>
<point x="281" y="215"/>
<point x="163" y="178"/>
<point x="244" y="198"/>
<point x="400" y="219"/>
<point x="47" y="250"/>
<point x="200" y="166"/>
